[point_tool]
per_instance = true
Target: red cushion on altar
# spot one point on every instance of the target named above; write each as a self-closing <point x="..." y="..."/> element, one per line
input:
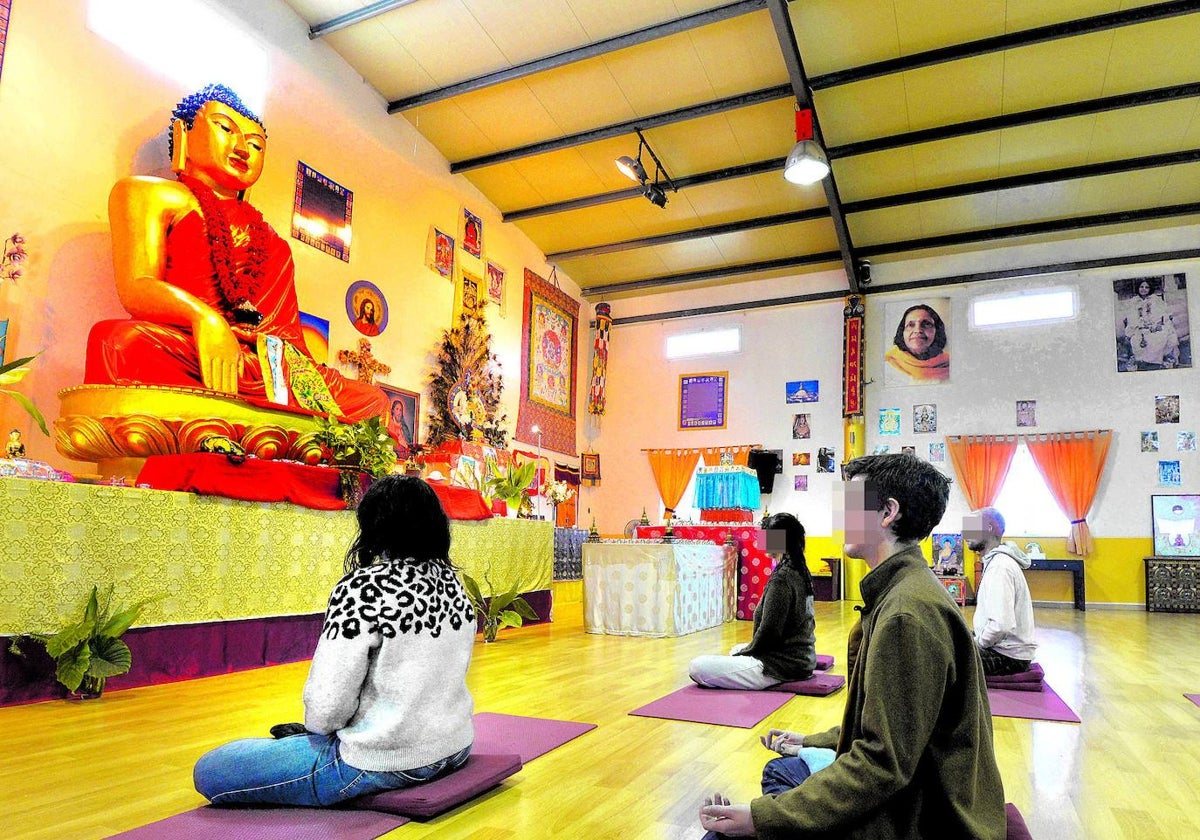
<point x="253" y="480"/>
<point x="726" y="515"/>
<point x="461" y="502"/>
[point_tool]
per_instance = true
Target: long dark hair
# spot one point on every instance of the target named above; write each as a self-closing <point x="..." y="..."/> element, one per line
<point x="939" y="335"/>
<point x="400" y="518"/>
<point x="793" y="551"/>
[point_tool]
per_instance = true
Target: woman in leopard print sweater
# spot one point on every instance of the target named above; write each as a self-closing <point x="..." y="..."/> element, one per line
<point x="386" y="703"/>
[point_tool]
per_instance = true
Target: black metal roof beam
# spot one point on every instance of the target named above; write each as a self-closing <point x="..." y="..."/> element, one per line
<point x="1032" y="229"/>
<point x="691" y="112"/>
<point x="790" y="49"/>
<point x="357" y="16"/>
<point x="1008" y="41"/>
<point x="1035" y="115"/>
<point x="1030" y="179"/>
<point x="791" y="300"/>
<point x="709" y="177"/>
<point x="712" y="273"/>
<point x="608" y="45"/>
<point x="693" y="233"/>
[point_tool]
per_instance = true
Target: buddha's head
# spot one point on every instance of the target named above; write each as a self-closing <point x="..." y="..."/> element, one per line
<point x="218" y="140"/>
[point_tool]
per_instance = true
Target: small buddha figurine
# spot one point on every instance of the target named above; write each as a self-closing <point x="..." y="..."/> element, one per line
<point x="15" y="448"/>
<point x="210" y="285"/>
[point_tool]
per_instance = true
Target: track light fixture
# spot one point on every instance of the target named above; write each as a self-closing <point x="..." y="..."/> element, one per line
<point x="632" y="168"/>
<point x="807" y="162"/>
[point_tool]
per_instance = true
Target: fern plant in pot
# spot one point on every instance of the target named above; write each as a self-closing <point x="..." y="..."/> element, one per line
<point x="89" y="650"/>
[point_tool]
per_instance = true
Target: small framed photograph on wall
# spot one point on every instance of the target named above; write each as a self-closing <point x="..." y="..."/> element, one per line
<point x="404" y="415"/>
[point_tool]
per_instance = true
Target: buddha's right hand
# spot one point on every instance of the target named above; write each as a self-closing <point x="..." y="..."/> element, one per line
<point x="220" y="355"/>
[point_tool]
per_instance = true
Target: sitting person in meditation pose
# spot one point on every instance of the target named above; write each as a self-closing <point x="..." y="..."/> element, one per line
<point x="783" y="648"/>
<point x="210" y="284"/>
<point x="386" y="704"/>
<point x="1003" y="607"/>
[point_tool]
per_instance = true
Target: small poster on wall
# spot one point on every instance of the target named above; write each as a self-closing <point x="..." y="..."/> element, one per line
<point x="1152" y="323"/>
<point x="1176" y="521"/>
<point x="800" y="427"/>
<point x="702" y="401"/>
<point x="1026" y="413"/>
<point x="495" y="285"/>
<point x="826" y="459"/>
<point x="800" y="483"/>
<point x="805" y="391"/>
<point x="801" y="459"/>
<point x="889" y="421"/>
<point x="472" y="233"/>
<point x="1166" y="409"/>
<point x="925" y="418"/>
<point x="937" y="453"/>
<point x="439" y="252"/>
<point x="1184" y="441"/>
<point x="1169" y="473"/>
<point x="1149" y="441"/>
<point x="321" y="212"/>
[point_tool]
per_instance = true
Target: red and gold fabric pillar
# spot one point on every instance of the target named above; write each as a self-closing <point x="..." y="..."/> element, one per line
<point x="852" y="382"/>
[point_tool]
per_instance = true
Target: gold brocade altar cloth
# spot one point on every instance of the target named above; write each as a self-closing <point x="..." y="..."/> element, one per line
<point x="209" y="558"/>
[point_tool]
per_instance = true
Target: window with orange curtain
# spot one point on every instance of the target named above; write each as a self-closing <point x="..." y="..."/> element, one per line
<point x="981" y="463"/>
<point x="1072" y="463"/>
<point x="672" y="470"/>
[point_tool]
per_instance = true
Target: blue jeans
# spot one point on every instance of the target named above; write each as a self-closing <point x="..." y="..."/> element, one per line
<point x="305" y="770"/>
<point x="783" y="773"/>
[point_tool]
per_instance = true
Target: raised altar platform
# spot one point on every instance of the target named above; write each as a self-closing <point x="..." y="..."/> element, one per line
<point x="227" y="564"/>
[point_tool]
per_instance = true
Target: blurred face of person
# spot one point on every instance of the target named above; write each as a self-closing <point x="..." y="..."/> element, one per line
<point x="920" y="330"/>
<point x="857" y="514"/>
<point x="974" y="531"/>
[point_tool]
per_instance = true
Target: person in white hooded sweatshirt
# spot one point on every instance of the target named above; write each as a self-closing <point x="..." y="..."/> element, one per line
<point x="1003" y="608"/>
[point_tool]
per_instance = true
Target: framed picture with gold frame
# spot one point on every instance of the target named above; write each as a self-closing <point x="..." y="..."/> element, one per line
<point x="703" y="400"/>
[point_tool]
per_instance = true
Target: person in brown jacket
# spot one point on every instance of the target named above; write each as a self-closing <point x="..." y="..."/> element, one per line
<point x="914" y="755"/>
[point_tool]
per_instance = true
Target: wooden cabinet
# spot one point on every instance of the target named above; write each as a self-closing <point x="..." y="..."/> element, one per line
<point x="1173" y="584"/>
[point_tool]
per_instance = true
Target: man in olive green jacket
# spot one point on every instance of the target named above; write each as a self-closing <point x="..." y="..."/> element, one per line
<point x="914" y="751"/>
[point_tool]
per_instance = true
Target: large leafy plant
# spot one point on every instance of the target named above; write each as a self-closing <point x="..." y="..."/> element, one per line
<point x="510" y="484"/>
<point x="507" y="609"/>
<point x="365" y="444"/>
<point x="89" y="650"/>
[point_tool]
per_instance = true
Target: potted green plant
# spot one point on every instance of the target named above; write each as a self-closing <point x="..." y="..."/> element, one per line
<point x="89" y="651"/>
<point x="507" y="609"/>
<point x="510" y="484"/>
<point x="357" y="448"/>
<point x="14" y="372"/>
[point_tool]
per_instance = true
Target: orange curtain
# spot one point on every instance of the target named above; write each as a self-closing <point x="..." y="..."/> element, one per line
<point x="672" y="470"/>
<point x="981" y="463"/>
<point x="741" y="454"/>
<point x="1072" y="463"/>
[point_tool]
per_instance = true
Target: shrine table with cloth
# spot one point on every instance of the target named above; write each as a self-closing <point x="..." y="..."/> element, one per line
<point x="656" y="589"/>
<point x="726" y="489"/>
<point x="754" y="565"/>
<point x="223" y="565"/>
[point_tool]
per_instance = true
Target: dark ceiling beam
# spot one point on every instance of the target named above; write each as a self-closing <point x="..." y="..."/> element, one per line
<point x="357" y="16"/>
<point x="1032" y="229"/>
<point x="593" y="50"/>
<point x="712" y="176"/>
<point x="1035" y="115"/>
<point x="790" y="49"/>
<point x="1030" y="179"/>
<point x="704" y="109"/>
<point x="693" y="233"/>
<point x="711" y="273"/>
<point x="1008" y="41"/>
<point x="791" y="300"/>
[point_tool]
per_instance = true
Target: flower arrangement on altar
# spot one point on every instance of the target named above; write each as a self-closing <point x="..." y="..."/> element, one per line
<point x="10" y="261"/>
<point x="557" y="492"/>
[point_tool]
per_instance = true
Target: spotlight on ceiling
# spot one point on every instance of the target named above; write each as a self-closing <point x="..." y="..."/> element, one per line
<point x="632" y="168"/>
<point x="654" y="190"/>
<point x="807" y="162"/>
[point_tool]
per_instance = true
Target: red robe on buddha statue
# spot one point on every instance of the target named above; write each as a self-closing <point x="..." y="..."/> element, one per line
<point x="132" y="352"/>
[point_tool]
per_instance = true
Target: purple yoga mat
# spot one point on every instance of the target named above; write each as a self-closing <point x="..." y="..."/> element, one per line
<point x="1195" y="698"/>
<point x="714" y="705"/>
<point x="528" y="737"/>
<point x="209" y="823"/>
<point x="1035" y="705"/>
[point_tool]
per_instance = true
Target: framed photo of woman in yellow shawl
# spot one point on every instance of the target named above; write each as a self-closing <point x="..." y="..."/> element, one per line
<point x="916" y="341"/>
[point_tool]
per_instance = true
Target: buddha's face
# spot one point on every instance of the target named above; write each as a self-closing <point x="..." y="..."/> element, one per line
<point x="225" y="150"/>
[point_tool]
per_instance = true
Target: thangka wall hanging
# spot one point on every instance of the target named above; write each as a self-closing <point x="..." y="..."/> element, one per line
<point x="600" y="359"/>
<point x="495" y="285"/>
<point x="321" y="213"/>
<point x="439" y="252"/>
<point x="472" y="233"/>
<point x="702" y="400"/>
<point x="548" y="355"/>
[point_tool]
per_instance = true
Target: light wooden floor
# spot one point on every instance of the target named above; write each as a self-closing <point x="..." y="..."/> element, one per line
<point x="1131" y="770"/>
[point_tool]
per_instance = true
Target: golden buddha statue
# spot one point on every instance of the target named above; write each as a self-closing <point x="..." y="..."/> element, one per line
<point x="211" y="288"/>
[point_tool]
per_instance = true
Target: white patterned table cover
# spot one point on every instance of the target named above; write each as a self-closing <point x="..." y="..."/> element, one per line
<point x="646" y="589"/>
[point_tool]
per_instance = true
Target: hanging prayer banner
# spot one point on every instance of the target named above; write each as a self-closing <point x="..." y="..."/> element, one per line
<point x="852" y="346"/>
<point x="548" y="355"/>
<point x="596" y="393"/>
<point x="589" y="467"/>
<point x="439" y="253"/>
<point x="321" y="212"/>
<point x="472" y="233"/>
<point x="495" y="285"/>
